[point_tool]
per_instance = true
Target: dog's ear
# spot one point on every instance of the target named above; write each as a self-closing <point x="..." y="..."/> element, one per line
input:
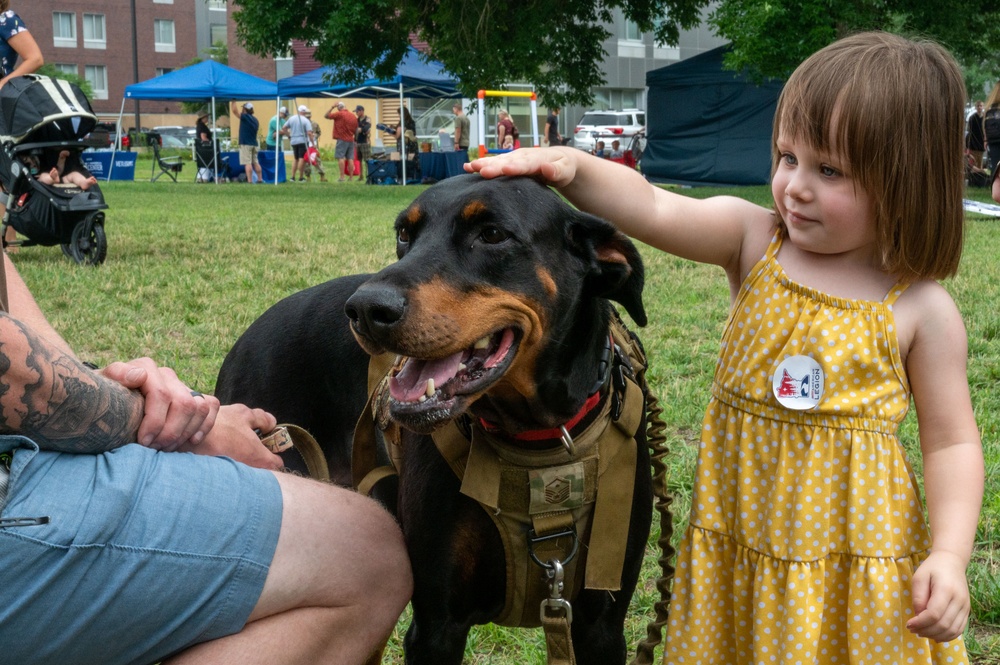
<point x="615" y="268"/>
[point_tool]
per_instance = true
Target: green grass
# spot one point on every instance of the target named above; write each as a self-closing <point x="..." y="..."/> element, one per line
<point x="190" y="266"/>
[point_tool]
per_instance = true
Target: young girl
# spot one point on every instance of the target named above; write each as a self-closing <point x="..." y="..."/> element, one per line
<point x="807" y="540"/>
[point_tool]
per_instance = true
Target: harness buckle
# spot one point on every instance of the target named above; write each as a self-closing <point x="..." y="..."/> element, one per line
<point x="567" y="441"/>
<point x="555" y="603"/>
<point x="534" y="539"/>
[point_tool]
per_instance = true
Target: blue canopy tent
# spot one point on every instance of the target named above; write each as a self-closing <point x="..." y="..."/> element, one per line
<point x="416" y="76"/>
<point x="203" y="82"/>
<point x="707" y="125"/>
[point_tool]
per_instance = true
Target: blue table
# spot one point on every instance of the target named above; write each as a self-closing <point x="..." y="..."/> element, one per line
<point x="441" y="165"/>
<point x="266" y="159"/>
<point x="98" y="162"/>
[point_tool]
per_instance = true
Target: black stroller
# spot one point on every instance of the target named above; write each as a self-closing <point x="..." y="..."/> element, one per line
<point x="39" y="119"/>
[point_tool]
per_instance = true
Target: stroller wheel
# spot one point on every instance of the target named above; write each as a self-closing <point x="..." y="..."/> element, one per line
<point x="89" y="243"/>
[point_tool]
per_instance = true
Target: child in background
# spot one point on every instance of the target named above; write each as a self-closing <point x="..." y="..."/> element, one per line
<point x="616" y="154"/>
<point x="56" y="176"/>
<point x="508" y="143"/>
<point x="599" y="150"/>
<point x="807" y="540"/>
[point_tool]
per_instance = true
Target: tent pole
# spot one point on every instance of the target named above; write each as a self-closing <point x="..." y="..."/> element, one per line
<point x="215" y="144"/>
<point x="118" y="140"/>
<point x="277" y="136"/>
<point x="402" y="134"/>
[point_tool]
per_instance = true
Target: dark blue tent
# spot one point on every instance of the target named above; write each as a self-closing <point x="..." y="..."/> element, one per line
<point x="707" y="125"/>
<point x="414" y="78"/>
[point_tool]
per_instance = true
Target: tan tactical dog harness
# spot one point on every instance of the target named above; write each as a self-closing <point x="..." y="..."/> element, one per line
<point x="543" y="503"/>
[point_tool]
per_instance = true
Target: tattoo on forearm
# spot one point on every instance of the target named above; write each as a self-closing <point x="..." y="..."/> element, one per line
<point x="51" y="398"/>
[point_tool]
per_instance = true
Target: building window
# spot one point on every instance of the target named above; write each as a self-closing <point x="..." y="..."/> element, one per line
<point x="97" y="77"/>
<point x="632" y="32"/>
<point x="163" y="2"/>
<point x="163" y="36"/>
<point x="64" y="29"/>
<point x="93" y="31"/>
<point x="160" y="71"/>
<point x="218" y="33"/>
<point x="66" y="69"/>
<point x="217" y="5"/>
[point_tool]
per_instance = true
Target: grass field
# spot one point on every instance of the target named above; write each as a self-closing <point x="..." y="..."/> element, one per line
<point x="190" y="266"/>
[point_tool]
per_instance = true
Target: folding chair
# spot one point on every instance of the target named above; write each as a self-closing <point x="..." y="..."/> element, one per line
<point x="168" y="165"/>
<point x="205" y="158"/>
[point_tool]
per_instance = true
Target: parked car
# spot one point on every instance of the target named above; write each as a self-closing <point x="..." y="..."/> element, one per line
<point x="608" y="126"/>
<point x="185" y="135"/>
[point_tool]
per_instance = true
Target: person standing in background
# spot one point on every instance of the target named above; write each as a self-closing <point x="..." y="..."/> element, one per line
<point x="276" y="128"/>
<point x="345" y="124"/>
<point x="363" y="139"/>
<point x="317" y="159"/>
<point x="461" y="129"/>
<point x="299" y="136"/>
<point x="16" y="44"/>
<point x="505" y="128"/>
<point x="975" y="138"/>
<point x="249" y="126"/>
<point x="552" y="135"/>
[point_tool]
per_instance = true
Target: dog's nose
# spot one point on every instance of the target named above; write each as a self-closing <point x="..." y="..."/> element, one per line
<point x="373" y="311"/>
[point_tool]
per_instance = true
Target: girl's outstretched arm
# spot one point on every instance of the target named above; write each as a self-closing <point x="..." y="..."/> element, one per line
<point x="952" y="457"/>
<point x="721" y="230"/>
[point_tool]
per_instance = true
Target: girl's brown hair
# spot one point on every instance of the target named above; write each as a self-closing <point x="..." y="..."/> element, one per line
<point x="893" y="109"/>
<point x="4" y="5"/>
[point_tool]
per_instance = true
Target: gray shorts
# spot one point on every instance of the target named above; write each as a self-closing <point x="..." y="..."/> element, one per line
<point x="144" y="553"/>
<point x="344" y="150"/>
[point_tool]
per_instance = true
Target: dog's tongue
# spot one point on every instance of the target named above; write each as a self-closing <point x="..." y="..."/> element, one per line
<point x="411" y="381"/>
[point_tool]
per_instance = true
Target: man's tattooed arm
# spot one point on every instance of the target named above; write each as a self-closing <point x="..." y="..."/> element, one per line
<point x="49" y="397"/>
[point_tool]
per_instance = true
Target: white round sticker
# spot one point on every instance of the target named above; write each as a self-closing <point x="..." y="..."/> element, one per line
<point x="798" y="383"/>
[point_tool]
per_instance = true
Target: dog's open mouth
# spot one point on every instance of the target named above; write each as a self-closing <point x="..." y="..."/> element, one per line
<point x="421" y="385"/>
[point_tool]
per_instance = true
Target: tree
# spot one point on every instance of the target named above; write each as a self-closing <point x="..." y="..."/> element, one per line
<point x="771" y="37"/>
<point x="553" y="44"/>
<point x="556" y="45"/>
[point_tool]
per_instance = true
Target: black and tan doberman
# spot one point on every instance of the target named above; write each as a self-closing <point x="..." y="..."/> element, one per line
<point x="499" y="310"/>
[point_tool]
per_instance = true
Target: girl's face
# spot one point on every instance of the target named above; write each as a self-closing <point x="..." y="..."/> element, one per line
<point x="824" y="210"/>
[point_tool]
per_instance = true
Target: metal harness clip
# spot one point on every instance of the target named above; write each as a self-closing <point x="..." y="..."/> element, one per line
<point x="555" y="602"/>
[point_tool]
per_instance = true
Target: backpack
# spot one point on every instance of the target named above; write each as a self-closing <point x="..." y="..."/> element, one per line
<point x="991" y="123"/>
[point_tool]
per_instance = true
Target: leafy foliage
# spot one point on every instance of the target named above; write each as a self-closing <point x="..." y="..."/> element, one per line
<point x="553" y="44"/>
<point x="556" y="45"/>
<point x="50" y="70"/>
<point x="771" y="37"/>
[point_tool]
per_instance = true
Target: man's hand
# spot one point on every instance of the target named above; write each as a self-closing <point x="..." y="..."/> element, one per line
<point x="234" y="436"/>
<point x="174" y="415"/>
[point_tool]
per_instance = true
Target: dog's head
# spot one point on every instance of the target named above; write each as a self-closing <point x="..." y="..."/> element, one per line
<point x="500" y="284"/>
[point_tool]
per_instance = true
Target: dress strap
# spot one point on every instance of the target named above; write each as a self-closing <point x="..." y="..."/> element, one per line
<point x="774" y="245"/>
<point x="897" y="290"/>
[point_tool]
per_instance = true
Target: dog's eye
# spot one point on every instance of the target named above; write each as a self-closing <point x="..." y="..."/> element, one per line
<point x="402" y="236"/>
<point x="492" y="235"/>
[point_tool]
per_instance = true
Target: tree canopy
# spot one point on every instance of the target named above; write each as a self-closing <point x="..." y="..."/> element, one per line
<point x="557" y="45"/>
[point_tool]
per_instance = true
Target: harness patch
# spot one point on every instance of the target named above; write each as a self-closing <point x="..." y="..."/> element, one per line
<point x="557" y="488"/>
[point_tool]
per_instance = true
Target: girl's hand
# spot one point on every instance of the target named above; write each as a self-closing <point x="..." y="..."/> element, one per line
<point x="940" y="598"/>
<point x="556" y="166"/>
<point x="172" y="414"/>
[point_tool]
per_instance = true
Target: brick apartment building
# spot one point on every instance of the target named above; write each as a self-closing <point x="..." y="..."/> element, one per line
<point x="93" y="39"/>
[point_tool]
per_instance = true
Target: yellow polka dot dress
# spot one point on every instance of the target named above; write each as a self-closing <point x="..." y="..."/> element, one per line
<point x="806" y="522"/>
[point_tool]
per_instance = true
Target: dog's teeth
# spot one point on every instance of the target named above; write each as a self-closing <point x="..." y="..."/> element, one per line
<point x="482" y="343"/>
<point x="462" y="367"/>
<point x="430" y="388"/>
<point x="423" y="398"/>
